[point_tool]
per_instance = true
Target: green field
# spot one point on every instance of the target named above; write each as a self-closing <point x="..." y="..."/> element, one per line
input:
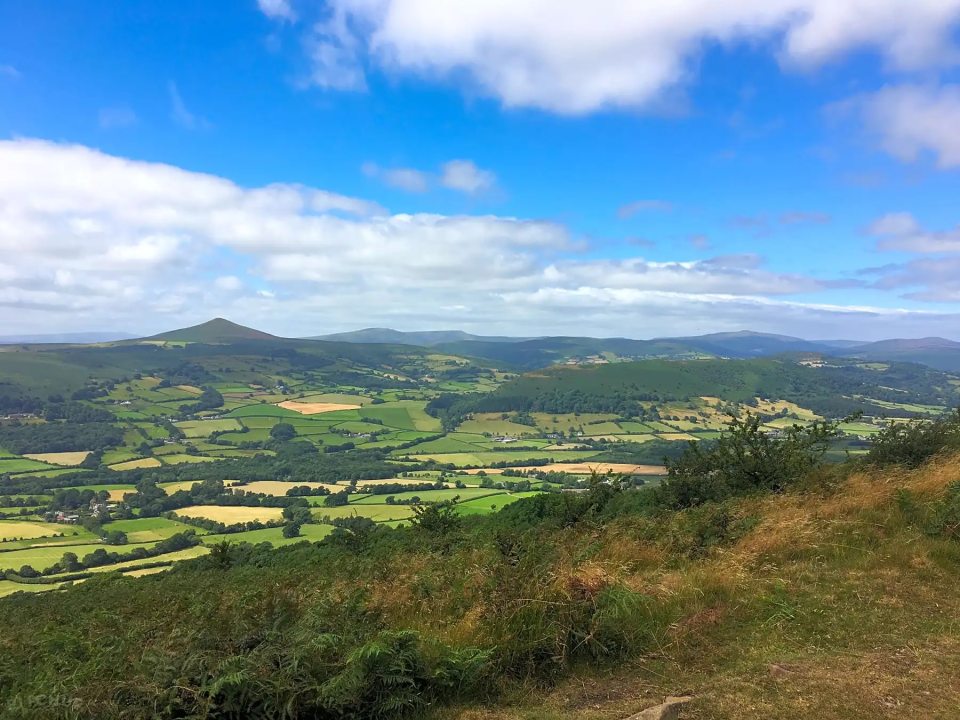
<point x="18" y="465"/>
<point x="429" y="495"/>
<point x="377" y="513"/>
<point x="43" y="557"/>
<point x="273" y="536"/>
<point x="203" y="428"/>
<point x="514" y="457"/>
<point x="149" y="529"/>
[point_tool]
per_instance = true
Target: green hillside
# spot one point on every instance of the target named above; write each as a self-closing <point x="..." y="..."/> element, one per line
<point x="832" y="389"/>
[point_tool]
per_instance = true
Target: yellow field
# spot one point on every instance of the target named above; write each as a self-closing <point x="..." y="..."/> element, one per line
<point x="585" y="468"/>
<point x="229" y="515"/>
<point x="19" y="529"/>
<point x="275" y="487"/>
<point x="60" y="458"/>
<point x="314" y="408"/>
<point x="190" y="389"/>
<point x="171" y="487"/>
<point x="675" y="436"/>
<point x="403" y="481"/>
<point x="135" y="464"/>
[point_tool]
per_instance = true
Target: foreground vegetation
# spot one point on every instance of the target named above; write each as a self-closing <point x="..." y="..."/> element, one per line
<point x="827" y="593"/>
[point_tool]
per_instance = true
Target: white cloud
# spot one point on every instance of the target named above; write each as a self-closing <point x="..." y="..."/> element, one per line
<point x="181" y="114"/>
<point x="89" y="239"/>
<point x="901" y="231"/>
<point x="118" y="116"/>
<point x="277" y="10"/>
<point x="466" y="177"/>
<point x="571" y="56"/>
<point x="909" y="121"/>
<point x="9" y="71"/>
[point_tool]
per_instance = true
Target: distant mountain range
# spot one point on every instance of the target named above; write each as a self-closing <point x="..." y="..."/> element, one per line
<point x="525" y="353"/>
<point x="529" y="353"/>
<point x="77" y="338"/>
<point x="426" y="338"/>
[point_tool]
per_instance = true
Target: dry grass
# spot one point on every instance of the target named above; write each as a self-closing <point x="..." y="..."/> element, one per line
<point x="831" y="606"/>
<point x="315" y="408"/>
<point x="231" y="514"/>
<point x="60" y="458"/>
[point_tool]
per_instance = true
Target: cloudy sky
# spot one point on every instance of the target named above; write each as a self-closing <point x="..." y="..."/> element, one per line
<point x="525" y="167"/>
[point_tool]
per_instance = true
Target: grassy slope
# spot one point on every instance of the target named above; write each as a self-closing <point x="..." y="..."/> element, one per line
<point x="832" y="608"/>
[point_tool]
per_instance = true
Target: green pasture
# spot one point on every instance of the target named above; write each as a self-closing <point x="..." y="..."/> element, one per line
<point x="464" y="494"/>
<point x="274" y="536"/>
<point x="377" y="513"/>
<point x="514" y="457"/>
<point x="18" y="465"/>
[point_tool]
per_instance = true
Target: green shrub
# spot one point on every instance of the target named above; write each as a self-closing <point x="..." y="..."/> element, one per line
<point x="912" y="444"/>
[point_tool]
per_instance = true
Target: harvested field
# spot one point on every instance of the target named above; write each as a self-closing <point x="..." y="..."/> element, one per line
<point x="276" y="487"/>
<point x="585" y="468"/>
<point x="231" y="514"/>
<point x="315" y="408"/>
<point x="136" y="464"/>
<point x="60" y="458"/>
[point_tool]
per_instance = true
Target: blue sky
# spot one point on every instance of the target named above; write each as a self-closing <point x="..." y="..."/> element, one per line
<point x="506" y="167"/>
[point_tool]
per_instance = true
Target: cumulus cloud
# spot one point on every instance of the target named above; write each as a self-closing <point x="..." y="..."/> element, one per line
<point x="569" y="56"/>
<point x="901" y="231"/>
<point x="910" y="121"/>
<point x="92" y="239"/>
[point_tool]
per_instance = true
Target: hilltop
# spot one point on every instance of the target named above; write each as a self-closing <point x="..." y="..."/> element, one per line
<point x="216" y="331"/>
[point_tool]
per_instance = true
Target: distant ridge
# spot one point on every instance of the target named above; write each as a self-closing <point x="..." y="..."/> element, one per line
<point x="77" y="338"/>
<point x="424" y="338"/>
<point x="216" y="331"/>
<point x="530" y="353"/>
